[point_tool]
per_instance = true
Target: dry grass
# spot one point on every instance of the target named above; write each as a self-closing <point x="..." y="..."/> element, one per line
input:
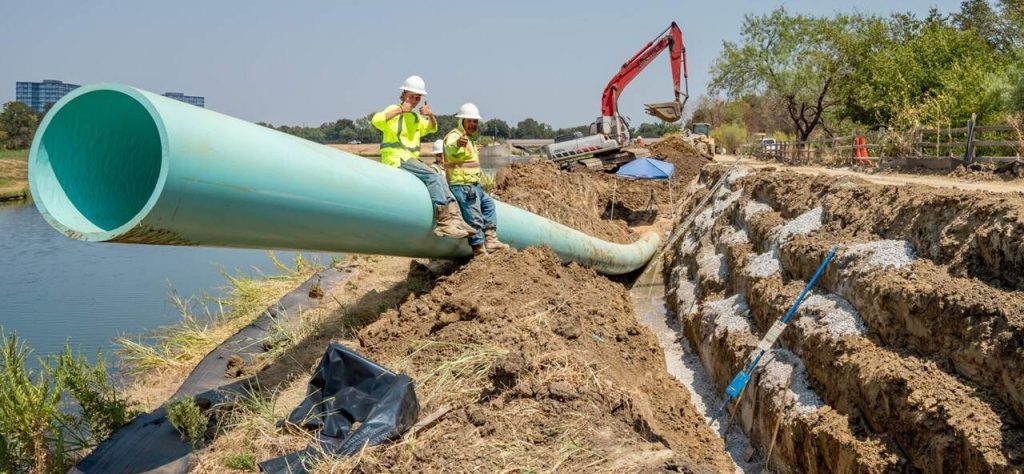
<point x="531" y="439"/>
<point x="159" y="361"/>
<point x="1016" y="121"/>
<point x="248" y="430"/>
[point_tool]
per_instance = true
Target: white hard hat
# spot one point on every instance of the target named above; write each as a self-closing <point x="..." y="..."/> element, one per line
<point x="468" y="111"/>
<point x="438" y="147"/>
<point x="415" y="85"/>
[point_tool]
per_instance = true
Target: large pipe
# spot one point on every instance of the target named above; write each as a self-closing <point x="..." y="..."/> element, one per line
<point x="112" y="163"/>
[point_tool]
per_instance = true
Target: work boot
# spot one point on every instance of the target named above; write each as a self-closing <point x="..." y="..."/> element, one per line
<point x="453" y="208"/>
<point x="491" y="242"/>
<point x="446" y="225"/>
<point x="479" y="250"/>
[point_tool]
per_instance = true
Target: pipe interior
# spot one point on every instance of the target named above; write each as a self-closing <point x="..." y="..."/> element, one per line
<point x="98" y="161"/>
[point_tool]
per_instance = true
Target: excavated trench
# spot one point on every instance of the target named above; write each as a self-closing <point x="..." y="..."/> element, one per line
<point x="909" y="353"/>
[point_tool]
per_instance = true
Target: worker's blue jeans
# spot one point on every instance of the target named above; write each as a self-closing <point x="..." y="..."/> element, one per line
<point x="436" y="185"/>
<point x="477" y="209"/>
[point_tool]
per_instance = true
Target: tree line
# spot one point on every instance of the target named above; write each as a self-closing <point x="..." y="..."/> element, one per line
<point x="800" y="76"/>
<point x="18" y="125"/>
<point x="360" y="130"/>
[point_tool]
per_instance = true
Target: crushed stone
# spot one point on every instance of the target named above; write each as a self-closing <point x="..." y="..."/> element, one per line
<point x="686" y="295"/>
<point x="711" y="265"/>
<point x="833" y="314"/>
<point x="724" y="199"/>
<point x="753" y="208"/>
<point x="786" y="372"/>
<point x="883" y="254"/>
<point x="704" y="220"/>
<point x="736" y="174"/>
<point x="683" y="363"/>
<point x="729" y="314"/>
<point x="765" y="264"/>
<point x="805" y="223"/>
<point x="731" y="235"/>
<point x="689" y="244"/>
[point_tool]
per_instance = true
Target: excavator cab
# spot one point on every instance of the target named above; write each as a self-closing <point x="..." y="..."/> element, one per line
<point x="667" y="111"/>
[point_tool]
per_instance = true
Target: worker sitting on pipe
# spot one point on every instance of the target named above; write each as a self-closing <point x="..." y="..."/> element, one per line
<point x="463" y="164"/>
<point x="402" y="128"/>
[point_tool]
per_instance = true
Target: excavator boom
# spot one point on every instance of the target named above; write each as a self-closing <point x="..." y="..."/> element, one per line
<point x="670" y="39"/>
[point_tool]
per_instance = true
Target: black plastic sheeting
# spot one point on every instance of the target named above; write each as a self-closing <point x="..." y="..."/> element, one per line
<point x="149" y="444"/>
<point x="348" y="388"/>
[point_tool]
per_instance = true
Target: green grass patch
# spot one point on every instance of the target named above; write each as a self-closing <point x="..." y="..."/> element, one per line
<point x="14" y="155"/>
<point x="190" y="421"/>
<point x="240" y="461"/>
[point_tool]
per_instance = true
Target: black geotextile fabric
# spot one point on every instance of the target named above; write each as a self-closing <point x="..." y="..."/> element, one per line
<point x="348" y="388"/>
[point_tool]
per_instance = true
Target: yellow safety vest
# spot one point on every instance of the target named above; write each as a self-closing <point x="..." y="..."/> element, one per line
<point x="401" y="135"/>
<point x="462" y="163"/>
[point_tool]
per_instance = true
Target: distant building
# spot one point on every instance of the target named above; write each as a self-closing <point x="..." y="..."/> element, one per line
<point x="39" y="95"/>
<point x="196" y="100"/>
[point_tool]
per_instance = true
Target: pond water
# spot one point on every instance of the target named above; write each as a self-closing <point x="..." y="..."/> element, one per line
<point x="55" y="290"/>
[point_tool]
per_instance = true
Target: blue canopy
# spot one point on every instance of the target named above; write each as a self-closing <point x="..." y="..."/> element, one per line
<point x="646" y="168"/>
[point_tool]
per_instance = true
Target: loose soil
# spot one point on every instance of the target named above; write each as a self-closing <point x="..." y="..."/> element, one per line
<point x="556" y="372"/>
<point x="574" y="199"/>
<point x="587" y="201"/>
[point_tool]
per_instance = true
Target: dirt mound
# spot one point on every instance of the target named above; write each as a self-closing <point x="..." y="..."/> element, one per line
<point x="676" y="150"/>
<point x="545" y="367"/>
<point x="599" y="204"/>
<point x="632" y="197"/>
<point x="572" y="199"/>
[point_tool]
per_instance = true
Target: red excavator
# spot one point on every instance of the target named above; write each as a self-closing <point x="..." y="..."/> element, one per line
<point x="610" y="132"/>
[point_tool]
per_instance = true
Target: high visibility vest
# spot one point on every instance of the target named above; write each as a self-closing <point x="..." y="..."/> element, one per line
<point x="462" y="163"/>
<point x="401" y="135"/>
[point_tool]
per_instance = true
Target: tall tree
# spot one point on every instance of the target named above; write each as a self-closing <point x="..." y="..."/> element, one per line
<point x="496" y="128"/>
<point x="531" y="128"/>
<point x="791" y="57"/>
<point x="18" y="122"/>
<point x="988" y="23"/>
<point x="928" y="69"/>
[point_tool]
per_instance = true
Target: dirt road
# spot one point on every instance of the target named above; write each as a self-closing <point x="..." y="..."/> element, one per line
<point x="891" y="179"/>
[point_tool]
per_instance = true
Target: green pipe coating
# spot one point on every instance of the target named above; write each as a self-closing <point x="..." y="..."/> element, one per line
<point x="112" y="163"/>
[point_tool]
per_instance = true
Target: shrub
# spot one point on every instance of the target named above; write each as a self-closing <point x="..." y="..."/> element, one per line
<point x="186" y="417"/>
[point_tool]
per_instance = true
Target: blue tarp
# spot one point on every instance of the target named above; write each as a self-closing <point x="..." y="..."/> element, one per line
<point x="646" y="168"/>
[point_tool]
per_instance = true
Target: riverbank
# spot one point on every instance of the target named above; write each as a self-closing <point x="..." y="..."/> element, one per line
<point x="13" y="175"/>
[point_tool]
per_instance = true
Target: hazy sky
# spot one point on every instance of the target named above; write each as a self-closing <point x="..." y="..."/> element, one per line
<point x="314" y="61"/>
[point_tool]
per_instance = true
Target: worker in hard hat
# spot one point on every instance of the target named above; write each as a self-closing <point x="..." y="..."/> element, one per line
<point x="438" y="151"/>
<point x="402" y="128"/>
<point x="462" y="161"/>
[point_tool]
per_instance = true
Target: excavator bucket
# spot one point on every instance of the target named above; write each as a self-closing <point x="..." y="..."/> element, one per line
<point x="667" y="111"/>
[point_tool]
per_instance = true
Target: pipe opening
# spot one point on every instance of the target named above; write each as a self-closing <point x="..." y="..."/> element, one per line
<point x="97" y="162"/>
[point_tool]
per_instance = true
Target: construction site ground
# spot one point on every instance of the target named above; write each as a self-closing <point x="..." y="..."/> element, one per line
<point x="908" y="356"/>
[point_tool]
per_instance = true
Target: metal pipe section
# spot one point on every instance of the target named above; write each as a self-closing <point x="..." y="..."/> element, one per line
<point x="112" y="163"/>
